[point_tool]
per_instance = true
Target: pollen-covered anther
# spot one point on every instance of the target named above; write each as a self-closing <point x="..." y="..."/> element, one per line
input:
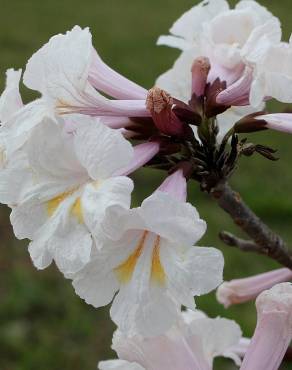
<point x="157" y="100"/>
<point x="160" y="105"/>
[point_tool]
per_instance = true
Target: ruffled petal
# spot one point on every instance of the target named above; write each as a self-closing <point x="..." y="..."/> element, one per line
<point x="101" y="150"/>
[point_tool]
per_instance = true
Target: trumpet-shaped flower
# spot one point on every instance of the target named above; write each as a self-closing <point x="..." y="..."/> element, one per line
<point x="222" y="34"/>
<point x="244" y="48"/>
<point x="190" y="345"/>
<point x="243" y="290"/>
<point x="70" y="75"/>
<point x="273" y="333"/>
<point x="67" y="71"/>
<point x="73" y="184"/>
<point x="150" y="263"/>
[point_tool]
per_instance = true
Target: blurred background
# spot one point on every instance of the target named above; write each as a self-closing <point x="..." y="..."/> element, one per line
<point x="43" y="324"/>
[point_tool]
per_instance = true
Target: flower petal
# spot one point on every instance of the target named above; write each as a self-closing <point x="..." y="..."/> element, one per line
<point x="177" y="221"/>
<point x="190" y="23"/>
<point x="101" y="150"/>
<point x="10" y="100"/>
<point x="119" y="365"/>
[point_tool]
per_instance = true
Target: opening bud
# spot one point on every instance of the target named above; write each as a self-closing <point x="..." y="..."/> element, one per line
<point x="200" y="70"/>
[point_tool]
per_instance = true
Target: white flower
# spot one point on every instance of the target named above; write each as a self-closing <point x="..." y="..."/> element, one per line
<point x="248" y="37"/>
<point x="73" y="186"/>
<point x="223" y="34"/>
<point x="192" y="344"/>
<point x="67" y="71"/>
<point x="152" y="265"/>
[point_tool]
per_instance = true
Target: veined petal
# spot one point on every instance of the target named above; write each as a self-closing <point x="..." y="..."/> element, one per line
<point x="206" y="268"/>
<point x="176" y="221"/>
<point x="18" y="128"/>
<point x="101" y="150"/>
<point x="96" y="283"/>
<point x="141" y="306"/>
<point x="98" y="197"/>
<point x="51" y="156"/>
<point x="27" y="218"/>
<point x="65" y="237"/>
<point x="62" y="63"/>
<point x="14" y="184"/>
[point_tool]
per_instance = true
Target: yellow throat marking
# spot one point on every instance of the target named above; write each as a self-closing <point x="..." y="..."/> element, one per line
<point x="76" y="208"/>
<point x="125" y="271"/>
<point x="157" y="270"/>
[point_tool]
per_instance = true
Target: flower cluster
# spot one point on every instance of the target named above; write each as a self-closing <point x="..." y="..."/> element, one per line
<point x="67" y="158"/>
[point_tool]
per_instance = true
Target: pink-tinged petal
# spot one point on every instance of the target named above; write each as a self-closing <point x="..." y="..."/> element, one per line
<point x="116" y="122"/>
<point x="105" y="79"/>
<point x="274" y="329"/>
<point x="279" y="121"/>
<point x="175" y="185"/>
<point x="113" y="108"/>
<point x="238" y="93"/>
<point x="243" y="290"/>
<point x="163" y="352"/>
<point x="143" y="153"/>
<point x="225" y="74"/>
<point x="200" y="70"/>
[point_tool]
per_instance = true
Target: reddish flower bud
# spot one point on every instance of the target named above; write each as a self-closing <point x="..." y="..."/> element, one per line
<point x="160" y="104"/>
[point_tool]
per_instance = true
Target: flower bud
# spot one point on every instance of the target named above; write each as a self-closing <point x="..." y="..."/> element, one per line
<point x="160" y="104"/>
<point x="200" y="70"/>
<point x="273" y="331"/>
<point x="243" y="290"/>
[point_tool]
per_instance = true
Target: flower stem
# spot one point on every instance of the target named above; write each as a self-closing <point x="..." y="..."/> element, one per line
<point x="265" y="240"/>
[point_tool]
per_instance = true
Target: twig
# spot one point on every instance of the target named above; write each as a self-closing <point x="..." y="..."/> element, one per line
<point x="244" y="245"/>
<point x="265" y="240"/>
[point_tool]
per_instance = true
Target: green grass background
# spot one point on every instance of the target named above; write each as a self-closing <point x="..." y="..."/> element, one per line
<point x="43" y="324"/>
